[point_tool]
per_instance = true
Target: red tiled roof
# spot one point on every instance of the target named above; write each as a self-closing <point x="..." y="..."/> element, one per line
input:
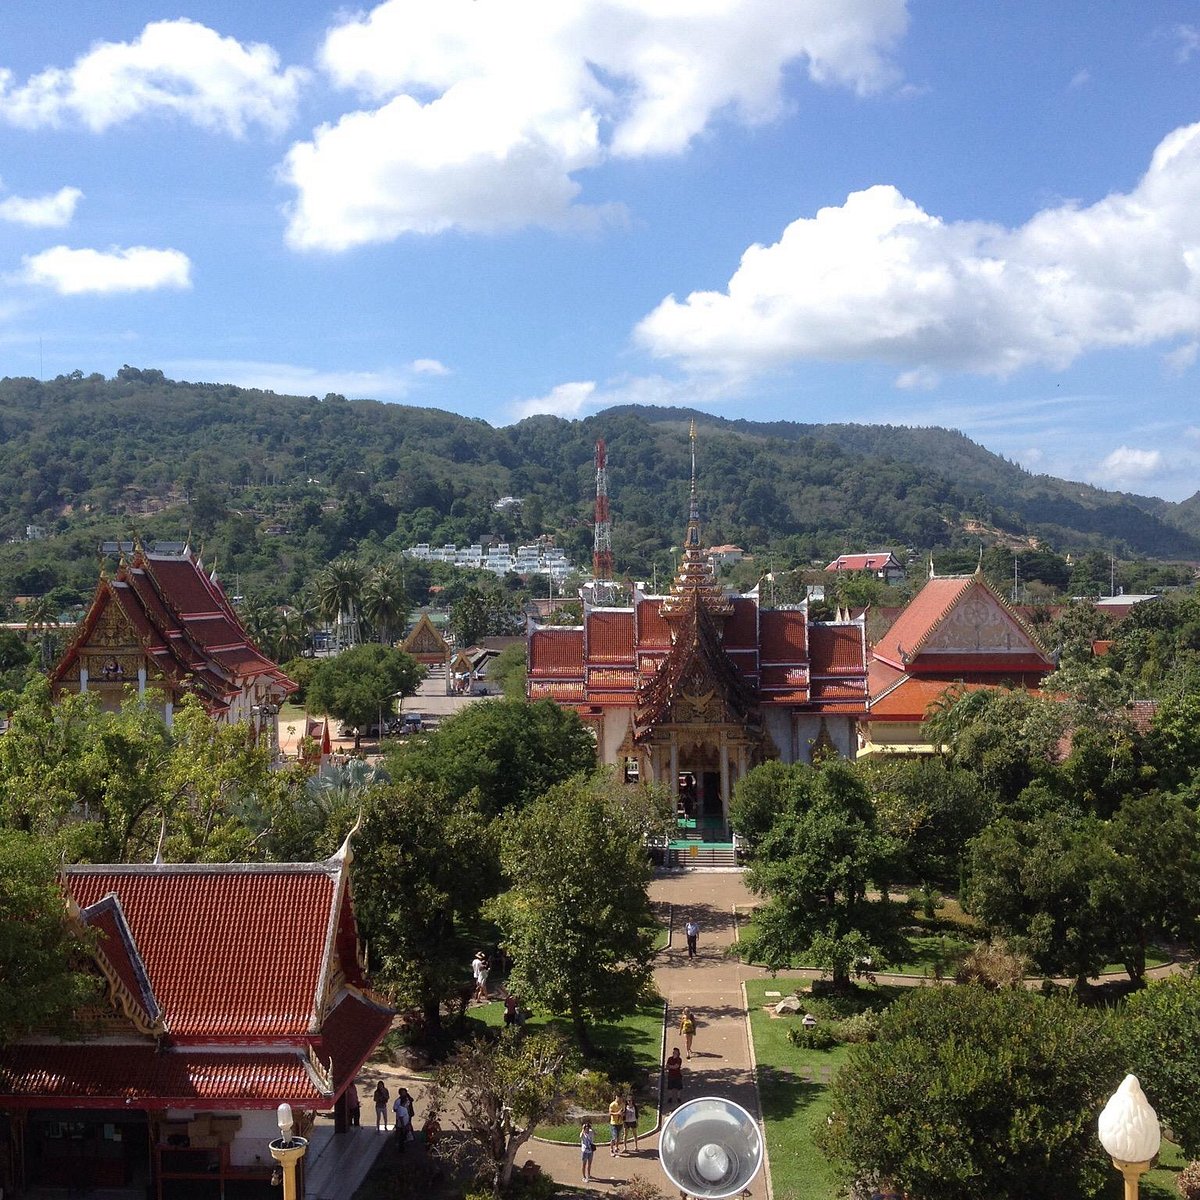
<point x="863" y="562"/>
<point x="919" y="617"/>
<point x="653" y="632"/>
<point x="837" y="650"/>
<point x="773" y="678"/>
<point x="1142" y="713"/>
<point x="210" y="938"/>
<point x="610" y="636"/>
<point x="741" y="627"/>
<point x="556" y="652"/>
<point x="566" y="692"/>
<point x="912" y="699"/>
<point x="612" y="677"/>
<point x="103" y="1075"/>
<point x="352" y="1030"/>
<point x="837" y="689"/>
<point x="782" y="634"/>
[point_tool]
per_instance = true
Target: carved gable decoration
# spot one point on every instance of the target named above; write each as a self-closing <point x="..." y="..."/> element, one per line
<point x="979" y="623"/>
<point x="425" y="642"/>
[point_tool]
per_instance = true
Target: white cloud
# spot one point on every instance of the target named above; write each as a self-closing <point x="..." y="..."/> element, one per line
<point x="1081" y="78"/>
<point x="290" y="379"/>
<point x="41" y="212"/>
<point x="879" y="278"/>
<point x="429" y="366"/>
<point x="1127" y="464"/>
<point x="133" y="269"/>
<point x="175" y="66"/>
<point x="483" y="113"/>
<point x="1187" y="42"/>
<point x="565" y="400"/>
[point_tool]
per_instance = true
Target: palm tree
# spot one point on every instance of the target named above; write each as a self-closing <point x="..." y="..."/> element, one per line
<point x="292" y="638"/>
<point x="338" y="591"/>
<point x="385" y="601"/>
<point x="41" y="616"/>
<point x="262" y="622"/>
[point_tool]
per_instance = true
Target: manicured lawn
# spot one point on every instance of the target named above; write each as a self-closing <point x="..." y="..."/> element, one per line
<point x="633" y="1044"/>
<point x="794" y="1106"/>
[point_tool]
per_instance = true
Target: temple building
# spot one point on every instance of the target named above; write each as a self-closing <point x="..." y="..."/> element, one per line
<point x="957" y="633"/>
<point x="226" y="990"/>
<point x="165" y="623"/>
<point x="694" y="688"/>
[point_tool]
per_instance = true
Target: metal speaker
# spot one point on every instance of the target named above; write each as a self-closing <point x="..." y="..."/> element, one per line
<point x="710" y="1148"/>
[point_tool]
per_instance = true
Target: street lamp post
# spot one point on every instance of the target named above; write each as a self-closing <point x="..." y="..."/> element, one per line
<point x="1129" y="1131"/>
<point x="287" y="1151"/>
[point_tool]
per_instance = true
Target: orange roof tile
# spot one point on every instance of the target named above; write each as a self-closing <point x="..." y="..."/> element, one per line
<point x="920" y="615"/>
<point x="609" y="636"/>
<point x="556" y="652"/>
<point x="565" y="692"/>
<point x="837" y="649"/>
<point x="611" y="677"/>
<point x="783" y="635"/>
<point x="652" y="628"/>
<point x="741" y="627"/>
<point x="209" y="937"/>
<point x="914" y="696"/>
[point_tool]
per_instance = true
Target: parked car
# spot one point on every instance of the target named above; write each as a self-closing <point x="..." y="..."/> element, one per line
<point x="413" y="723"/>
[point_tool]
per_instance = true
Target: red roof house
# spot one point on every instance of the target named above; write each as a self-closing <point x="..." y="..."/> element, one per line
<point x="883" y="565"/>
<point x="230" y="989"/>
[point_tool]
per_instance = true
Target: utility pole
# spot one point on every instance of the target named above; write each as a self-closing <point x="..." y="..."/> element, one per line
<point x="602" y="561"/>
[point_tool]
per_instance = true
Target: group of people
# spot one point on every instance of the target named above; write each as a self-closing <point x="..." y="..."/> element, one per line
<point x="622" y="1125"/>
<point x="404" y="1113"/>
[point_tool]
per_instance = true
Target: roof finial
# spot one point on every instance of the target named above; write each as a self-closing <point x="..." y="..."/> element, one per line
<point x="345" y="854"/>
<point x="932" y="572"/>
<point x="979" y="565"/>
<point x="162" y="839"/>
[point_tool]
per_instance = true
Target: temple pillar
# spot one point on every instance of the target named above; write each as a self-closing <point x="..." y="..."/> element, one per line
<point x="724" y="779"/>
<point x="141" y="681"/>
<point x="83" y="679"/>
<point x="674" y="783"/>
<point x="169" y="715"/>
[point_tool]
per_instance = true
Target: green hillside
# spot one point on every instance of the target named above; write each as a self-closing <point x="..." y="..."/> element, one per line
<point x="274" y="486"/>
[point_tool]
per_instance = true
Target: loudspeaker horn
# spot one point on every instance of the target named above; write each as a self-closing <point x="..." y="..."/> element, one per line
<point x="710" y="1148"/>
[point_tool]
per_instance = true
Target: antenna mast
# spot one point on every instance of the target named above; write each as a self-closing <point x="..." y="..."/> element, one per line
<point x="602" y="559"/>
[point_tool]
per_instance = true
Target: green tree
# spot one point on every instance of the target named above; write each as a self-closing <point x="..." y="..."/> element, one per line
<point x="510" y="751"/>
<point x="504" y="1088"/>
<point x="41" y="620"/>
<point x="424" y="864"/>
<point x="338" y="590"/>
<point x="931" y="811"/>
<point x="41" y="984"/>
<point x="969" y="1094"/>
<point x="1161" y="1028"/>
<point x="385" y="602"/>
<point x="508" y="669"/>
<point x="361" y="684"/>
<point x="576" y="917"/>
<point x="816" y="865"/>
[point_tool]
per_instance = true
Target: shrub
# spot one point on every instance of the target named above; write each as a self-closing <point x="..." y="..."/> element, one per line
<point x="992" y="965"/>
<point x="819" y="1037"/>
<point x="639" y="1189"/>
<point x="862" y="1027"/>
<point x="1188" y="1181"/>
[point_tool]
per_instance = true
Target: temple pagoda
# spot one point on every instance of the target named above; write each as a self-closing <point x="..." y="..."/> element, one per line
<point x="695" y="687"/>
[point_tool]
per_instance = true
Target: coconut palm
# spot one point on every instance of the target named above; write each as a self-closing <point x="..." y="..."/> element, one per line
<point x="338" y="589"/>
<point x="385" y="601"/>
<point x="41" y="617"/>
<point x="292" y="638"/>
<point x="262" y="622"/>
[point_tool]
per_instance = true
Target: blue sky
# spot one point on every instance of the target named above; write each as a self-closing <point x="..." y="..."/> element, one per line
<point x="979" y="215"/>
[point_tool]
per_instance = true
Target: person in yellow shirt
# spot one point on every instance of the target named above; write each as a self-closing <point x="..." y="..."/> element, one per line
<point x="616" y="1123"/>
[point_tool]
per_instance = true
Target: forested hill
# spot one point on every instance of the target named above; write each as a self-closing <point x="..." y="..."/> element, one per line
<point x="295" y="480"/>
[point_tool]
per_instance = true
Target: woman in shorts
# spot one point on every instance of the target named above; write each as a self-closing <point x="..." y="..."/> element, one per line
<point x="587" y="1150"/>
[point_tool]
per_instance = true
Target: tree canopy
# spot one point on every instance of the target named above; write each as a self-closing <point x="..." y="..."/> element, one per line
<point x="360" y="686"/>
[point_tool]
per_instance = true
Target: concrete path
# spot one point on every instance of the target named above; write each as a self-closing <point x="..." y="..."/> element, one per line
<point x="711" y="985"/>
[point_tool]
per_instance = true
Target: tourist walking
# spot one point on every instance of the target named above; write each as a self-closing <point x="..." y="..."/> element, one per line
<point x="692" y="933"/>
<point x="353" y="1106"/>
<point x="687" y="1028"/>
<point x="631" y="1123"/>
<point x="381" y="1096"/>
<point x="587" y="1150"/>
<point x="403" y="1126"/>
<point x="479" y="970"/>
<point x="616" y="1122"/>
<point x="675" y="1077"/>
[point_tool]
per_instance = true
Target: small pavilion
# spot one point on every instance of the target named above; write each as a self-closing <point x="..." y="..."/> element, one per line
<point x="228" y="989"/>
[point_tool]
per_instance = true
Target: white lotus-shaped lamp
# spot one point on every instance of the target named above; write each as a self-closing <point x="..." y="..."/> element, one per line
<point x="1129" y="1131"/>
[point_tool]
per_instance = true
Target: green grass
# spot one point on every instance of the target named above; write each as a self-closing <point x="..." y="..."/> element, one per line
<point x="793" y="1107"/>
<point x="628" y="1051"/>
<point x="1160" y="1183"/>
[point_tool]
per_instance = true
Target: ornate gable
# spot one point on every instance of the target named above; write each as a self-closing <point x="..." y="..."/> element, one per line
<point x="424" y="642"/>
<point x="976" y="623"/>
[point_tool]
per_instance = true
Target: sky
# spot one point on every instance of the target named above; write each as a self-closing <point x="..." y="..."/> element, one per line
<point x="914" y="212"/>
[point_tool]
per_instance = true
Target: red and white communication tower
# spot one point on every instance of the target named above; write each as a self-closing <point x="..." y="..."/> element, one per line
<point x="602" y="562"/>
